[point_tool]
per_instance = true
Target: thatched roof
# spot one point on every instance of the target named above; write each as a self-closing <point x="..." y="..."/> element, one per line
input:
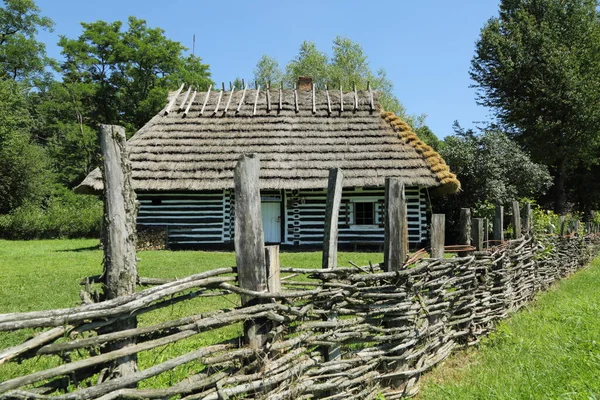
<point x="195" y="141"/>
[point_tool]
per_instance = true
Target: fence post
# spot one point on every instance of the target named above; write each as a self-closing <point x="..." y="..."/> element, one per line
<point x="119" y="236"/>
<point x="499" y="223"/>
<point x="273" y="267"/>
<point x="396" y="232"/>
<point x="330" y="242"/>
<point x="528" y="223"/>
<point x="516" y="217"/>
<point x="464" y="237"/>
<point x="438" y="226"/>
<point x="561" y="220"/>
<point x="249" y="243"/>
<point x="477" y="233"/>
<point x="332" y="212"/>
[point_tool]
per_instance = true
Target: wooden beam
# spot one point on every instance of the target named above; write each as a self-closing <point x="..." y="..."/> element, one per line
<point x="332" y="212"/>
<point x="229" y="100"/>
<point x="516" y="219"/>
<point x="205" y="100"/>
<point x="371" y="102"/>
<point x="396" y="240"/>
<point x="239" y="107"/>
<point x="219" y="98"/>
<point x="185" y="97"/>
<point x="328" y="100"/>
<point x="173" y="99"/>
<point x="187" y="109"/>
<point x="499" y="223"/>
<point x="438" y="232"/>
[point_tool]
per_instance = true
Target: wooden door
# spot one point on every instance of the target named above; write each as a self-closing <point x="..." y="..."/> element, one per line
<point x="271" y="218"/>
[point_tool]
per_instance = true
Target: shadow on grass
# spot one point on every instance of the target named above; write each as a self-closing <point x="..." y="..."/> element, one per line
<point x="80" y="249"/>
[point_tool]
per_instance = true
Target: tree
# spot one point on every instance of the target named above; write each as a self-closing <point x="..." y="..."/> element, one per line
<point x="537" y="66"/>
<point x="22" y="57"/>
<point x="267" y="71"/>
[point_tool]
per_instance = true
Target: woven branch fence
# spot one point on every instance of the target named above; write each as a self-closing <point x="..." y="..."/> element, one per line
<point x="328" y="332"/>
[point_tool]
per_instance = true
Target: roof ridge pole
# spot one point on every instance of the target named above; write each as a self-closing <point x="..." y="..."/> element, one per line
<point x="371" y="102"/>
<point x="341" y="99"/>
<point x="187" y="94"/>
<point x="187" y="109"/>
<point x="230" y="97"/>
<point x="314" y="100"/>
<point x="174" y="99"/>
<point x="220" y="97"/>
<point x="328" y="99"/>
<point x="206" y="99"/>
<point x="355" y="97"/>
<point x="256" y="99"/>
<point x="296" y="99"/>
<point x="268" y="97"/>
<point x="239" y="107"/>
<point x="281" y="96"/>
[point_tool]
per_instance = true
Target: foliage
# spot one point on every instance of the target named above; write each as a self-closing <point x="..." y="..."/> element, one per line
<point x="22" y="57"/>
<point x="538" y="66"/>
<point x="267" y="72"/>
<point x="62" y="215"/>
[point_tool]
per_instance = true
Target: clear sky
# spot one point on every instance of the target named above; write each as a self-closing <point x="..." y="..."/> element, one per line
<point x="425" y="46"/>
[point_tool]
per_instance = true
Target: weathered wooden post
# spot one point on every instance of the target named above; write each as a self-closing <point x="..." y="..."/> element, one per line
<point x="273" y="267"/>
<point x="562" y="222"/>
<point x="396" y="230"/>
<point x="477" y="233"/>
<point x="464" y="237"/>
<point x="528" y="223"/>
<point x="249" y="243"/>
<point x="516" y="219"/>
<point x="330" y="242"/>
<point x="438" y="232"/>
<point x="119" y="236"/>
<point x="332" y="212"/>
<point x="486" y="232"/>
<point x="499" y="224"/>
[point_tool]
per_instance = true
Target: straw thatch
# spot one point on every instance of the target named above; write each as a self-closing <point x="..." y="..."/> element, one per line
<point x="194" y="142"/>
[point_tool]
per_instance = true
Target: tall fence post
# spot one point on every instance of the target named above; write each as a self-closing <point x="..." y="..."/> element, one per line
<point x="332" y="212"/>
<point x="561" y="221"/>
<point x="528" y="223"/>
<point x="273" y="267"/>
<point x="396" y="231"/>
<point x="499" y="224"/>
<point x="438" y="232"/>
<point x="477" y="233"/>
<point x="119" y="236"/>
<point x="464" y="237"/>
<point x="516" y="219"/>
<point x="249" y="243"/>
<point x="330" y="242"/>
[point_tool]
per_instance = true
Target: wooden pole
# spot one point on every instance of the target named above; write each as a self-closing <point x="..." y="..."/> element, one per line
<point x="464" y="237"/>
<point x="516" y="218"/>
<point x="332" y="212"/>
<point x="396" y="240"/>
<point x="438" y="222"/>
<point x="486" y="232"/>
<point x="499" y="223"/>
<point x="562" y="225"/>
<point x="273" y="268"/>
<point x="477" y="233"/>
<point x="119" y="237"/>
<point x="249" y="243"/>
<point x="528" y="223"/>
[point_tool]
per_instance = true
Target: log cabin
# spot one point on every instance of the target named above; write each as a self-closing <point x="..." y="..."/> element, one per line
<point x="183" y="161"/>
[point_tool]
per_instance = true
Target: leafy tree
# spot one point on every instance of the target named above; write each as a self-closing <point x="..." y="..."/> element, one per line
<point x="22" y="57"/>
<point x="538" y="66"/>
<point x="309" y="62"/>
<point x="267" y="71"/>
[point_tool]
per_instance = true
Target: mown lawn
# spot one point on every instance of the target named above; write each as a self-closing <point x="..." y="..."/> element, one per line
<point x="45" y="274"/>
<point x="551" y="350"/>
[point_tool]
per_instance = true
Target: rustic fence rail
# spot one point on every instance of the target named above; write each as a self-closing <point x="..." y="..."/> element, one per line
<point x="340" y="333"/>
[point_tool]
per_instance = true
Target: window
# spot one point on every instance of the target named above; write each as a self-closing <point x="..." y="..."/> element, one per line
<point x="364" y="213"/>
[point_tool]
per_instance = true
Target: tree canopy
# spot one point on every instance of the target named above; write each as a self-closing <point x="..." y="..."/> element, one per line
<point x="537" y="65"/>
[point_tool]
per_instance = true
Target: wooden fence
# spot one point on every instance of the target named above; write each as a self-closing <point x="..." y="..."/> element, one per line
<point x="327" y="332"/>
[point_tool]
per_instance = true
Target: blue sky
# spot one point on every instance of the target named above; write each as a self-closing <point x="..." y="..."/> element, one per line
<point x="425" y="46"/>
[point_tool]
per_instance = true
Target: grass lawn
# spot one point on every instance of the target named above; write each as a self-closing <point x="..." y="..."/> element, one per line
<point x="551" y="350"/>
<point x="45" y="274"/>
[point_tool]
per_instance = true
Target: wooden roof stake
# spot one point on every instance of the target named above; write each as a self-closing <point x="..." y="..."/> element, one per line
<point x="371" y="102"/>
<point x="314" y="100"/>
<point x="355" y="98"/>
<point x="220" y="97"/>
<point x="243" y="84"/>
<point x="239" y="107"/>
<point x="174" y="99"/>
<point x="256" y="99"/>
<point x="328" y="100"/>
<point x="230" y="86"/>
<point x="187" y="109"/>
<point x="187" y="94"/>
<point x="281" y="96"/>
<point x="205" y="100"/>
<point x="296" y="99"/>
<point x="341" y="99"/>
<point x="268" y="97"/>
<point x="230" y="97"/>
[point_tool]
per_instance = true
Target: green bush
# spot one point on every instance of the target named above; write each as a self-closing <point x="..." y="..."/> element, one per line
<point x="63" y="214"/>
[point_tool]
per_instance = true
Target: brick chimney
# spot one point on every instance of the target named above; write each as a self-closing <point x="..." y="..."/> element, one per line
<point x="304" y="83"/>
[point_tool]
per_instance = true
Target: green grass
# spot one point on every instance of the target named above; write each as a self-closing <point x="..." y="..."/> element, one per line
<point x="45" y="274"/>
<point x="551" y="350"/>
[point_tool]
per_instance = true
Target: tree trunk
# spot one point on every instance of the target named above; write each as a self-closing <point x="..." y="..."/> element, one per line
<point x="559" y="187"/>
